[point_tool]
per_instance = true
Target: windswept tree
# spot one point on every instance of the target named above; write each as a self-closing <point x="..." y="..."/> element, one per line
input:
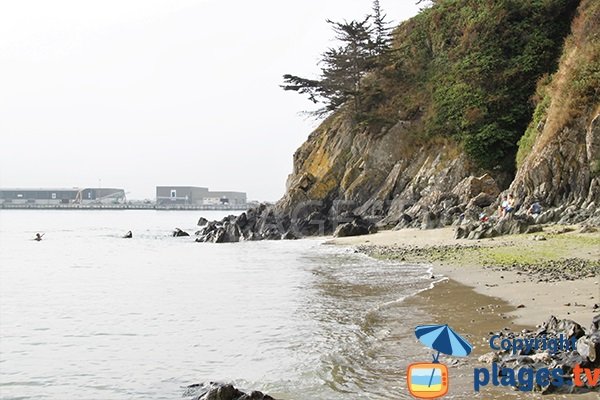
<point x="381" y="30"/>
<point x="361" y="44"/>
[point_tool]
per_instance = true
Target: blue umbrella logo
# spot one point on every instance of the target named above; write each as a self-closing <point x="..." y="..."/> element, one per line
<point x="444" y="340"/>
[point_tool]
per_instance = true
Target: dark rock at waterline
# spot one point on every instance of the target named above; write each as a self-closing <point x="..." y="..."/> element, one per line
<point x="315" y="223"/>
<point x="255" y="224"/>
<point x="202" y="221"/>
<point x="178" y="233"/>
<point x="265" y="223"/>
<point x="222" y="391"/>
<point x="358" y="226"/>
<point x="351" y="229"/>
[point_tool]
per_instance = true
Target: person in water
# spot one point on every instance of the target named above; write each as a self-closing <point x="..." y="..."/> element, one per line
<point x="128" y="235"/>
<point x="38" y="237"/>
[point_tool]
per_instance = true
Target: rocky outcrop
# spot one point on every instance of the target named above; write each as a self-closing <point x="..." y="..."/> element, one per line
<point x="563" y="168"/>
<point x="263" y="223"/>
<point x="399" y="179"/>
<point x="398" y="174"/>
<point x="221" y="391"/>
<point x="393" y="179"/>
<point x="255" y="224"/>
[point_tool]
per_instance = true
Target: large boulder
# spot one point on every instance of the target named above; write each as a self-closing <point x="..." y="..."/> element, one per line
<point x="482" y="200"/>
<point x="351" y="229"/>
<point x="511" y="225"/>
<point x="358" y="226"/>
<point x="484" y="230"/>
<point x="430" y="220"/>
<point x="473" y="186"/>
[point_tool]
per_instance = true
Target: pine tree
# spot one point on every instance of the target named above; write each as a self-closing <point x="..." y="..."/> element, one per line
<point x="362" y="45"/>
<point x="381" y="30"/>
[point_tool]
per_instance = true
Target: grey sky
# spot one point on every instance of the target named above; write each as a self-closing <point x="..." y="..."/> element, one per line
<point x="138" y="93"/>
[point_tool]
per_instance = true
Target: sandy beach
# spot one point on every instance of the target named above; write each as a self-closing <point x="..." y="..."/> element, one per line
<point x="485" y="290"/>
<point x="462" y="260"/>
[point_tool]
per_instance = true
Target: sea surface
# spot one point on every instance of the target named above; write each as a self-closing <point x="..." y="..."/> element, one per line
<point x="86" y="314"/>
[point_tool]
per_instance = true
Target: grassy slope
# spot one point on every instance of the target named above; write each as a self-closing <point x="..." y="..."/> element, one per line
<point x="574" y="90"/>
<point x="466" y="69"/>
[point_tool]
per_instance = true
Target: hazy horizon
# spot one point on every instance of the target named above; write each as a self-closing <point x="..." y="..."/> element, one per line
<point x="135" y="94"/>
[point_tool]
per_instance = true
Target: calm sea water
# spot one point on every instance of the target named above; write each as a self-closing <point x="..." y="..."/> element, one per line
<point x="85" y="314"/>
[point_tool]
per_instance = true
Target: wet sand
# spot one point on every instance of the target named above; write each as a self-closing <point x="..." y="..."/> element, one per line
<point x="474" y="316"/>
<point x="537" y="300"/>
<point x="478" y="301"/>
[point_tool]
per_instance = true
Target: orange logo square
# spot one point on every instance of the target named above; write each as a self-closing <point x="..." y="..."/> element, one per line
<point x="427" y="380"/>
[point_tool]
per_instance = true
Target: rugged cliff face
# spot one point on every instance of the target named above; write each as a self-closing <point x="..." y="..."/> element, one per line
<point x="405" y="175"/>
<point x="562" y="166"/>
<point x="394" y="178"/>
<point x="450" y="122"/>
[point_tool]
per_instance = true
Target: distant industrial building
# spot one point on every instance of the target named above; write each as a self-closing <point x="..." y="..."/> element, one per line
<point x="197" y="196"/>
<point x="62" y="196"/>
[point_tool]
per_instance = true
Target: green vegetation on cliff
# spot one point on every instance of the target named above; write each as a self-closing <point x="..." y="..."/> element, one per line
<point x="573" y="91"/>
<point x="467" y="70"/>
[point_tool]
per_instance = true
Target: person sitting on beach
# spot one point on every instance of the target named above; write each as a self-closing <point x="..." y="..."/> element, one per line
<point x="507" y="206"/>
<point x="128" y="235"/>
<point x="502" y="207"/>
<point x="510" y="206"/>
<point x="38" y="237"/>
<point x="535" y="209"/>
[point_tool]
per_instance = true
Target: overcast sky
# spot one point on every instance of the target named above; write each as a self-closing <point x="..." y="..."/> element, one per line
<point x="139" y="93"/>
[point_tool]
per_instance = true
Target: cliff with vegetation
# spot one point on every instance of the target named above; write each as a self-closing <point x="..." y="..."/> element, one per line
<point x="476" y="94"/>
<point x="559" y="154"/>
<point x="474" y="98"/>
